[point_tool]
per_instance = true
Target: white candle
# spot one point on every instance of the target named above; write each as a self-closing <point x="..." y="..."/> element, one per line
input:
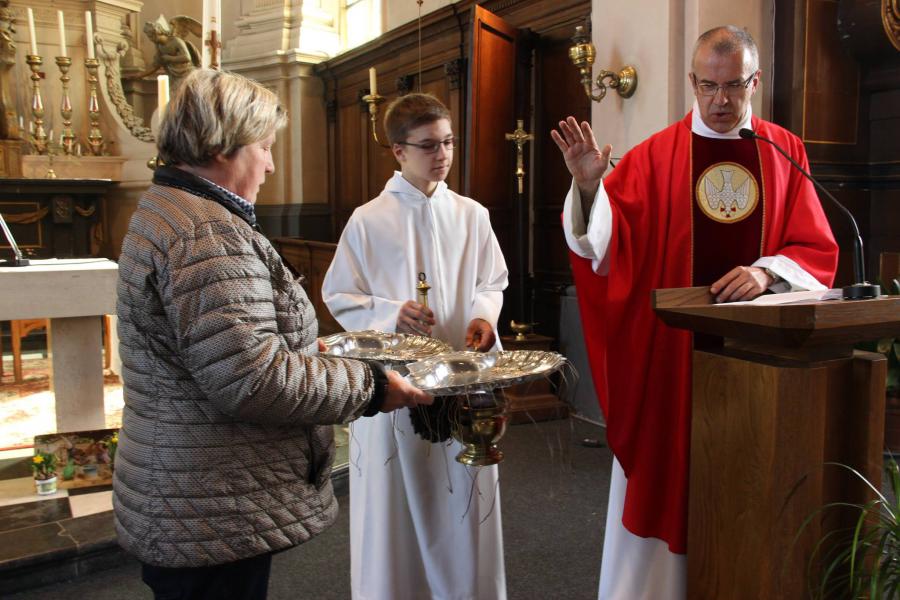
<point x="21" y="123"/>
<point x="89" y="33"/>
<point x="212" y="21"/>
<point x="31" y="31"/>
<point x="204" y="36"/>
<point x="162" y="93"/>
<point x="62" y="33"/>
<point x="373" y="89"/>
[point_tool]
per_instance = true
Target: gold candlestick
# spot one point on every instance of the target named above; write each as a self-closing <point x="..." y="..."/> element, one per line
<point x="50" y="174"/>
<point x="95" y="138"/>
<point x="373" y="100"/>
<point x="422" y="290"/>
<point x="66" y="137"/>
<point x="38" y="135"/>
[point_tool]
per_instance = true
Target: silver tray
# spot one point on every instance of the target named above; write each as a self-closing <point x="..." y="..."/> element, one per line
<point x="467" y="372"/>
<point x="394" y="348"/>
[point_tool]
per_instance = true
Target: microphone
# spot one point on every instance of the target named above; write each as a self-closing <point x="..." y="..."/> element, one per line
<point x="861" y="289"/>
<point x="18" y="261"/>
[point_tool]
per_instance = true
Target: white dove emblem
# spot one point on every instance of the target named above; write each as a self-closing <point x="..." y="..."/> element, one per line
<point x="728" y="198"/>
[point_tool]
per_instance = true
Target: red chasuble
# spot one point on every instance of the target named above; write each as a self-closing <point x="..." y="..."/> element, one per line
<point x="664" y="197"/>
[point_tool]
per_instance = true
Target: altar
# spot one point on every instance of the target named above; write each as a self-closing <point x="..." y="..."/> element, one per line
<point x="74" y="294"/>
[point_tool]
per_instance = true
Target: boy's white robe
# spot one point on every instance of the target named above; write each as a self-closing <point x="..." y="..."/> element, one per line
<point x="416" y="529"/>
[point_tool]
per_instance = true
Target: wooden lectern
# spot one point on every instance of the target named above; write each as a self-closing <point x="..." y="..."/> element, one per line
<point x="785" y="394"/>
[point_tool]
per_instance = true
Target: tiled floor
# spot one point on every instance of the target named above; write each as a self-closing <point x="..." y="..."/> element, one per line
<point x="27" y="408"/>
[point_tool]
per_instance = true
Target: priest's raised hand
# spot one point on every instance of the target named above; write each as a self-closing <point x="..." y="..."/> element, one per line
<point x="415" y="318"/>
<point x="584" y="159"/>
<point x="480" y="335"/>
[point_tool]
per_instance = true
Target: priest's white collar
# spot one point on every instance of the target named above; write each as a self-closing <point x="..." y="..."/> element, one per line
<point x="399" y="185"/>
<point x="701" y="128"/>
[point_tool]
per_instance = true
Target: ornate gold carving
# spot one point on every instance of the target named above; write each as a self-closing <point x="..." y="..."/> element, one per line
<point x="890" y="16"/>
<point x="86" y="212"/>
<point x="110" y="60"/>
<point x="26" y="218"/>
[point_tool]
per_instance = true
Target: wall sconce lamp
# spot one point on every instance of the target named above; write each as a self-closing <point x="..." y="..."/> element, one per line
<point x="582" y="54"/>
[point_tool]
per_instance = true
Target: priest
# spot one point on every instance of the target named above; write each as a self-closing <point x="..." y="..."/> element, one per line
<point x="693" y="205"/>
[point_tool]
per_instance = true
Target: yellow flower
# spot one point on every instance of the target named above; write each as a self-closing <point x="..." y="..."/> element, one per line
<point x="38" y="459"/>
<point x="115" y="438"/>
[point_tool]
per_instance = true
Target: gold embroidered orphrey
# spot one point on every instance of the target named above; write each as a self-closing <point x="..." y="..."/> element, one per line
<point x="727" y="192"/>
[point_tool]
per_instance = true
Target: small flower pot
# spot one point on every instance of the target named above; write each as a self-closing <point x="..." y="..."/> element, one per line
<point x="90" y="471"/>
<point x="45" y="487"/>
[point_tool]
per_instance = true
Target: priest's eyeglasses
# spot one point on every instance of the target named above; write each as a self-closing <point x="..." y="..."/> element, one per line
<point x="708" y="88"/>
<point x="432" y="147"/>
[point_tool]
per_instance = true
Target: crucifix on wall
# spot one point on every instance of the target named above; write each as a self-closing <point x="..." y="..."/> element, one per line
<point x="213" y="44"/>
<point x="520" y="137"/>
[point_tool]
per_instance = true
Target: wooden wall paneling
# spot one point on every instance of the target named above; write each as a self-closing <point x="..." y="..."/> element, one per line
<point x="558" y="94"/>
<point x="311" y="260"/>
<point x="889" y="270"/>
<point x="540" y="16"/>
<point x="349" y="158"/>
<point x="814" y="85"/>
<point x="490" y="158"/>
<point x="831" y="78"/>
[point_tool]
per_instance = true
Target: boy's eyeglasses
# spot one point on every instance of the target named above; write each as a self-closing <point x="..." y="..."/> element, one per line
<point x="707" y="88"/>
<point x="432" y="147"/>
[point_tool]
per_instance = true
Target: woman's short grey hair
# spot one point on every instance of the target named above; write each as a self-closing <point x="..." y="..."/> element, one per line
<point x="214" y="112"/>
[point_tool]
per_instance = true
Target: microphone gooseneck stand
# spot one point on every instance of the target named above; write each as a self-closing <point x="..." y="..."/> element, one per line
<point x="861" y="289"/>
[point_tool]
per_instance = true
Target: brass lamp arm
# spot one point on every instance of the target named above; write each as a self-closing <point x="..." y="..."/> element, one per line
<point x="624" y="82"/>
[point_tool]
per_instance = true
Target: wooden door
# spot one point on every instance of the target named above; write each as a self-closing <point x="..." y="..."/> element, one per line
<point x="491" y="113"/>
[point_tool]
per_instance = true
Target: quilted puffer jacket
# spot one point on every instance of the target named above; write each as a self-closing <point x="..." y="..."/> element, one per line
<point x="226" y="444"/>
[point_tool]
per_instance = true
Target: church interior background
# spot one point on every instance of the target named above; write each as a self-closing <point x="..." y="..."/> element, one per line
<point x="831" y="74"/>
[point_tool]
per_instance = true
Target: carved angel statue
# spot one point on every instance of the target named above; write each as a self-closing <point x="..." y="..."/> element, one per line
<point x="174" y="53"/>
<point x="8" y="126"/>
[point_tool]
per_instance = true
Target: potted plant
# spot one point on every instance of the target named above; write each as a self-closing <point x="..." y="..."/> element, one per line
<point x="112" y="444"/>
<point x="44" y="466"/>
<point x="864" y="561"/>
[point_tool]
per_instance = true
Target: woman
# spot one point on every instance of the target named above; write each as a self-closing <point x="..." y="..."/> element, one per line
<point x="226" y="445"/>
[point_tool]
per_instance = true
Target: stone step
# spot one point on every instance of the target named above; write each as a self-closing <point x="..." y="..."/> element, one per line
<point x="56" y="539"/>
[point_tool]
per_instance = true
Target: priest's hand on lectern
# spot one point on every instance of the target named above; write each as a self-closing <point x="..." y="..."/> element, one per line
<point x="415" y="318"/>
<point x="741" y="283"/>
<point x="584" y="159"/>
<point x="480" y="335"/>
